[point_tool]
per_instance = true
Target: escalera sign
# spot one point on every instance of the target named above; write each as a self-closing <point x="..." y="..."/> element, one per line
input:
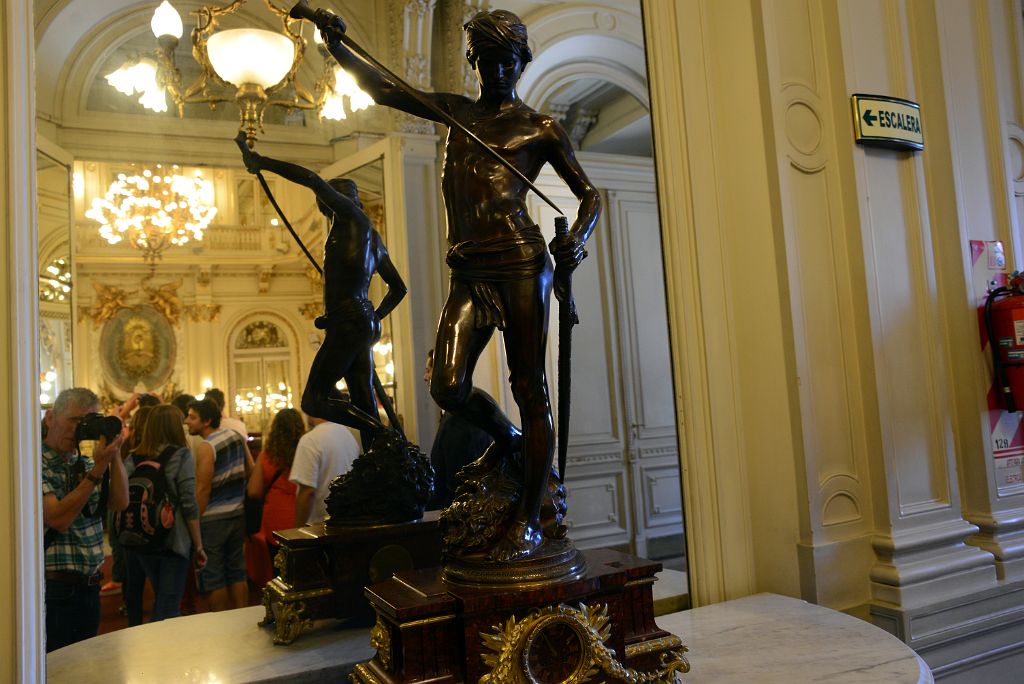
<point x="881" y="121"/>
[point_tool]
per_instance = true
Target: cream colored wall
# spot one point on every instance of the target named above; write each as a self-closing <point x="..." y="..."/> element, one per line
<point x="861" y="406"/>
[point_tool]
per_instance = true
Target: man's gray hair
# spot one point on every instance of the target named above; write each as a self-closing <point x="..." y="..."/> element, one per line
<point x="79" y="397"/>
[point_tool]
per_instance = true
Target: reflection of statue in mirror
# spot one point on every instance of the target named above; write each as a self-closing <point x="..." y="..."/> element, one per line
<point x="353" y="252"/>
<point x="501" y="276"/>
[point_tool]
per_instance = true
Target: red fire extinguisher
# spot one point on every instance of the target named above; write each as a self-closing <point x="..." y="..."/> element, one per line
<point x="1004" y="323"/>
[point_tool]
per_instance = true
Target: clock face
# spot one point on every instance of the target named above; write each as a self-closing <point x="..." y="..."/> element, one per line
<point x="554" y="652"/>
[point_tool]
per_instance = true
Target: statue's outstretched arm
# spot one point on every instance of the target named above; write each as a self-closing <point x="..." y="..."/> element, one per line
<point x="254" y="161"/>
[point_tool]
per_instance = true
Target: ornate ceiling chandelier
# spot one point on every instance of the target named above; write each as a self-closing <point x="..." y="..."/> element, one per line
<point x="258" y="65"/>
<point x="55" y="283"/>
<point x="154" y="210"/>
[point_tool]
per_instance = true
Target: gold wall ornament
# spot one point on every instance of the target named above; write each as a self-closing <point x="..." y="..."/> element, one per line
<point x="264" y="275"/>
<point x="566" y="645"/>
<point x="310" y="310"/>
<point x="260" y="335"/>
<point x="316" y="280"/>
<point x="203" y="313"/>
<point x="380" y="639"/>
<point x="109" y="300"/>
<point x="165" y="299"/>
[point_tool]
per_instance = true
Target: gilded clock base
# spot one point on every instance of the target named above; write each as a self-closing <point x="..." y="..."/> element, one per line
<point x="598" y="627"/>
<point x="567" y="645"/>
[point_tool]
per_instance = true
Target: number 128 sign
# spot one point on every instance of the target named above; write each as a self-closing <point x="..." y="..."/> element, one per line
<point x="882" y="121"/>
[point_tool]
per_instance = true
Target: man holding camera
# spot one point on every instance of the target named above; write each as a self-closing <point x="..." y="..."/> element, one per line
<point x="73" y="512"/>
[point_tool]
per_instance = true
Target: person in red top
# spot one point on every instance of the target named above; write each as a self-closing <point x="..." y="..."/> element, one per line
<point x="269" y="481"/>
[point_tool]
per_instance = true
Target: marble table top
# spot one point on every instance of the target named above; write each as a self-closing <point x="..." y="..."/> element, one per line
<point x="772" y="639"/>
<point x="764" y="638"/>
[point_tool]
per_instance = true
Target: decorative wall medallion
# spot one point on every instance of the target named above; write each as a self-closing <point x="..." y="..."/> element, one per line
<point x="137" y="347"/>
<point x="260" y="335"/>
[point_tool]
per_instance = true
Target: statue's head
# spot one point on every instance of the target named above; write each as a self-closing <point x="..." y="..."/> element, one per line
<point x="497" y="28"/>
<point x="346" y="187"/>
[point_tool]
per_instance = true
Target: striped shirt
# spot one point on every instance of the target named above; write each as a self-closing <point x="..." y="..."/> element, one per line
<point x="227" y="491"/>
<point x="80" y="548"/>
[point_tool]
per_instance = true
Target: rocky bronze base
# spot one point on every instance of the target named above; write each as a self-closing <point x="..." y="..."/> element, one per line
<point x="477" y="526"/>
<point x="597" y="628"/>
<point x="322" y="570"/>
<point x="390" y="483"/>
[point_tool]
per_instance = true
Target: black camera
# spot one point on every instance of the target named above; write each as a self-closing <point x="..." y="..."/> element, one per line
<point x="96" y="425"/>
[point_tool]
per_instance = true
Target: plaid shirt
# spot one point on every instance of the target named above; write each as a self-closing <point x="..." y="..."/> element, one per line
<point x="80" y="549"/>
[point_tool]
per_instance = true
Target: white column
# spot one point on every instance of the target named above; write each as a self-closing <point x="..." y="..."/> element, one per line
<point x="831" y="328"/>
<point x="976" y="114"/>
<point x="21" y="567"/>
<point x="920" y="530"/>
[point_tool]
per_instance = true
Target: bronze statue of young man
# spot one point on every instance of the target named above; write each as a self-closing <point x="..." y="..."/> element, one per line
<point x="353" y="252"/>
<point x="501" y="276"/>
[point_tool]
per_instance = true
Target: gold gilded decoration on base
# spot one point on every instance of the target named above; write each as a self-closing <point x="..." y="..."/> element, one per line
<point x="566" y="645"/>
<point x="654" y="645"/>
<point x="363" y="675"/>
<point x="426" y="621"/>
<point x="290" y="622"/>
<point x="380" y="639"/>
<point x="268" y="606"/>
<point x="281" y="562"/>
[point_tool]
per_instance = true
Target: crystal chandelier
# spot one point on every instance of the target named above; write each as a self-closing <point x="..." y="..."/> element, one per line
<point x="55" y="283"/>
<point x="256" y="65"/>
<point x="154" y="210"/>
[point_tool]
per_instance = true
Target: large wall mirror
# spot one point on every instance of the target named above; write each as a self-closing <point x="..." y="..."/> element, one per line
<point x="237" y="305"/>
<point x="54" y="212"/>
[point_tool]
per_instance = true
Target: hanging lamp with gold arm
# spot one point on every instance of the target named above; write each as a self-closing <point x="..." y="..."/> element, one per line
<point x="257" y="65"/>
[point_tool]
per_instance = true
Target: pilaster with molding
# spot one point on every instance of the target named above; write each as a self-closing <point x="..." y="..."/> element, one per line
<point x="22" y="632"/>
<point x="977" y="95"/>
<point x="452" y="72"/>
<point x="412" y="24"/>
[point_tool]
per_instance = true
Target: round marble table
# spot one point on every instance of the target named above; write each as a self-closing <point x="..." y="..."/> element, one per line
<point x="764" y="638"/>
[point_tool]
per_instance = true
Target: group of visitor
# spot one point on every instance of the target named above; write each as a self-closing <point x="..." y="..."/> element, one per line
<point x="171" y="487"/>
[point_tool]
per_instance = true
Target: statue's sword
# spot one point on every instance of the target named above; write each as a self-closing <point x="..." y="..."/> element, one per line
<point x="567" y="318"/>
<point x="378" y="386"/>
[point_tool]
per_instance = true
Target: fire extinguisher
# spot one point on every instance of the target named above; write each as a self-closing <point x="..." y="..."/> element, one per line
<point x="1004" y="323"/>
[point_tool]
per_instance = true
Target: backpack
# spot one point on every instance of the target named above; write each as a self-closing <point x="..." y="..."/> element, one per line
<point x="146" y="523"/>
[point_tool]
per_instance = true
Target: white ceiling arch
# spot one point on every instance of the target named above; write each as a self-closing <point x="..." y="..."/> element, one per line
<point x="545" y="86"/>
<point x="605" y="41"/>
